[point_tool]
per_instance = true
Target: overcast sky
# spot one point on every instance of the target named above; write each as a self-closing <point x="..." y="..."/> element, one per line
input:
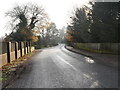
<point x="58" y="10"/>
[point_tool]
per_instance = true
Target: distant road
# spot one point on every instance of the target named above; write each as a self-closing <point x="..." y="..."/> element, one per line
<point x="57" y="67"/>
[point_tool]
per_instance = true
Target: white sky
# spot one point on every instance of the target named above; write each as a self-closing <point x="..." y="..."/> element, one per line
<point x="58" y="10"/>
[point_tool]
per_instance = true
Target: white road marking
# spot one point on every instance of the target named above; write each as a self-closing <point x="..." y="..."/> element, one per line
<point x="87" y="76"/>
<point x="66" y="62"/>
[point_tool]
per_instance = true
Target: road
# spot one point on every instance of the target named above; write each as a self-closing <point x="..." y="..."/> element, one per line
<point x="57" y="67"/>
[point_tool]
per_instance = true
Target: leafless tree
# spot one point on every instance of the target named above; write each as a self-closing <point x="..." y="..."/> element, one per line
<point x="26" y="17"/>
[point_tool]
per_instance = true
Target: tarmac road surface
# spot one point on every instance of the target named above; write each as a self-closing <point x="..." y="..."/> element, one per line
<point x="57" y="67"/>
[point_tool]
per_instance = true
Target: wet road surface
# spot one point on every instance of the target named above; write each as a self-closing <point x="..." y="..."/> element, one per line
<point x="57" y="67"/>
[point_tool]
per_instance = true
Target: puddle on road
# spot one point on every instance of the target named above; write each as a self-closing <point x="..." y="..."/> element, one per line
<point x="89" y="60"/>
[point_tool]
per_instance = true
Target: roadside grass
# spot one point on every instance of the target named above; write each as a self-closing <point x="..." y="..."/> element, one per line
<point x="98" y="51"/>
<point x="9" y="69"/>
<point x="101" y="51"/>
<point x="40" y="46"/>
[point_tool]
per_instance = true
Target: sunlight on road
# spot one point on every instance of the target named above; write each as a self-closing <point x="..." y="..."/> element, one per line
<point x="89" y="60"/>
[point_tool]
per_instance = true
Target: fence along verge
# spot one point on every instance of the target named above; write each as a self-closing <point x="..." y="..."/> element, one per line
<point x="13" y="50"/>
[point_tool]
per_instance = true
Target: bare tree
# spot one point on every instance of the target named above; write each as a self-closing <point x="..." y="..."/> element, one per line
<point x="24" y="19"/>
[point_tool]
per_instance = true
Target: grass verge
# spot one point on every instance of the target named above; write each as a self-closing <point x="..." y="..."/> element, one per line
<point x="98" y="51"/>
<point x="12" y="70"/>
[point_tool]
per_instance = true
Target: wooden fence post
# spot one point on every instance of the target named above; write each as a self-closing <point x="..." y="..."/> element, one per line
<point x="16" y="49"/>
<point x="8" y="51"/>
<point x="30" y="46"/>
<point x="24" y="47"/>
<point x="27" y="47"/>
<point x="21" y="53"/>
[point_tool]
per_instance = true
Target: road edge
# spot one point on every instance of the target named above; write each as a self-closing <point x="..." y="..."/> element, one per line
<point x="96" y="59"/>
<point x="20" y="69"/>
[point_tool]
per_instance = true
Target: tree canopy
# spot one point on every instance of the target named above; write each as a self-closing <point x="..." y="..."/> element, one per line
<point x="97" y="24"/>
<point x="24" y="19"/>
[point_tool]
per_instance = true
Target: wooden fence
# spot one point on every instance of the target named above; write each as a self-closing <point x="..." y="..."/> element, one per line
<point x="10" y="51"/>
<point x="112" y="47"/>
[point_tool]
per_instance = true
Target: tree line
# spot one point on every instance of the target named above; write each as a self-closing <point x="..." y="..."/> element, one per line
<point x="98" y="23"/>
<point x="30" y="22"/>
